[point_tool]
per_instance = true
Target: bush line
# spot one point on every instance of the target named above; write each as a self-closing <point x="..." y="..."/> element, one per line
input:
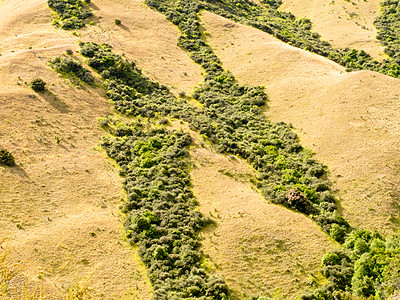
<point x="162" y="219"/>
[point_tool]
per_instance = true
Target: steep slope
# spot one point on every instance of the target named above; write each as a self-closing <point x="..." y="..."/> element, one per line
<point x="349" y="119"/>
<point x="60" y="205"/>
<point x="260" y="248"/>
<point x="343" y="23"/>
<point x="146" y="37"/>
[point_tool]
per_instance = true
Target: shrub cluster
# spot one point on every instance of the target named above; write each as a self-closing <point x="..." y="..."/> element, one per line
<point x="387" y="24"/>
<point x="285" y="27"/>
<point x="162" y="219"/>
<point x="72" y="68"/>
<point x="6" y="158"/>
<point x="366" y="267"/>
<point x="71" y="13"/>
<point x="231" y="119"/>
<point x="38" y="85"/>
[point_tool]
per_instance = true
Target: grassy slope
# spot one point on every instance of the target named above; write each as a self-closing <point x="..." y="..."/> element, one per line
<point x="349" y="119"/>
<point x="146" y="37"/>
<point x="260" y="248"/>
<point x="343" y="23"/>
<point x="60" y="193"/>
<point x="73" y="198"/>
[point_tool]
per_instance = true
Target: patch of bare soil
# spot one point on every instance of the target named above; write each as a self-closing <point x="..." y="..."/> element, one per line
<point x="350" y="120"/>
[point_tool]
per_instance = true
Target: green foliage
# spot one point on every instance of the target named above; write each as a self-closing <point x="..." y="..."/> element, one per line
<point x="38" y="85"/>
<point x="117" y="22"/>
<point x="366" y="267"/>
<point x="73" y="68"/>
<point x="6" y="158"/>
<point x="285" y="27"/>
<point x="388" y="23"/>
<point x="232" y="121"/>
<point x="161" y="216"/>
<point x="71" y="13"/>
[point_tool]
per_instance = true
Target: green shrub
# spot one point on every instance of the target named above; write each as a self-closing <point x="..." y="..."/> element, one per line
<point x="71" y="13"/>
<point x="6" y="158"/>
<point x="38" y="85"/>
<point x="71" y="67"/>
<point x="117" y="22"/>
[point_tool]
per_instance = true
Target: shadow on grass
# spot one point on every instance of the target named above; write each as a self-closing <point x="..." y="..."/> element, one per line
<point x="124" y="27"/>
<point x="93" y="6"/>
<point x="16" y="170"/>
<point x="55" y="102"/>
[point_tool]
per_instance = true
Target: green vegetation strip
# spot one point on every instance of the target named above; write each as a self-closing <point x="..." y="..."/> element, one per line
<point x="230" y="118"/>
<point x="162" y="219"/>
<point x="71" y="13"/>
<point x="388" y="25"/>
<point x="297" y="32"/>
<point x="161" y="210"/>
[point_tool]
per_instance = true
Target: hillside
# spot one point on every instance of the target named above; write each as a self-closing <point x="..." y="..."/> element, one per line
<point x="349" y="120"/>
<point x="71" y="214"/>
<point x="343" y="23"/>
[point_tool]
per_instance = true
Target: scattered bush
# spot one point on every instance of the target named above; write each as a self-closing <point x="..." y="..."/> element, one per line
<point x="38" y="85"/>
<point x="117" y="22"/>
<point x="6" y="158"/>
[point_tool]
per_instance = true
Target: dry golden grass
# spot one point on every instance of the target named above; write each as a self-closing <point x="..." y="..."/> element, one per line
<point x="60" y="206"/>
<point x="147" y="37"/>
<point x="343" y="23"/>
<point x="350" y="120"/>
<point x="259" y="248"/>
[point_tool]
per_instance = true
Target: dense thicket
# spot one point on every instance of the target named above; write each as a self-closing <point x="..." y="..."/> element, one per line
<point x="366" y="267"/>
<point x="231" y="120"/>
<point x="162" y="219"/>
<point x="388" y="25"/>
<point x="286" y="27"/>
<point x="71" y="13"/>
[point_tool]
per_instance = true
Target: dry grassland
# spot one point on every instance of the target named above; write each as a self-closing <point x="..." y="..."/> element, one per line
<point x="59" y="207"/>
<point x="343" y="23"/>
<point x="259" y="248"/>
<point x="350" y="120"/>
